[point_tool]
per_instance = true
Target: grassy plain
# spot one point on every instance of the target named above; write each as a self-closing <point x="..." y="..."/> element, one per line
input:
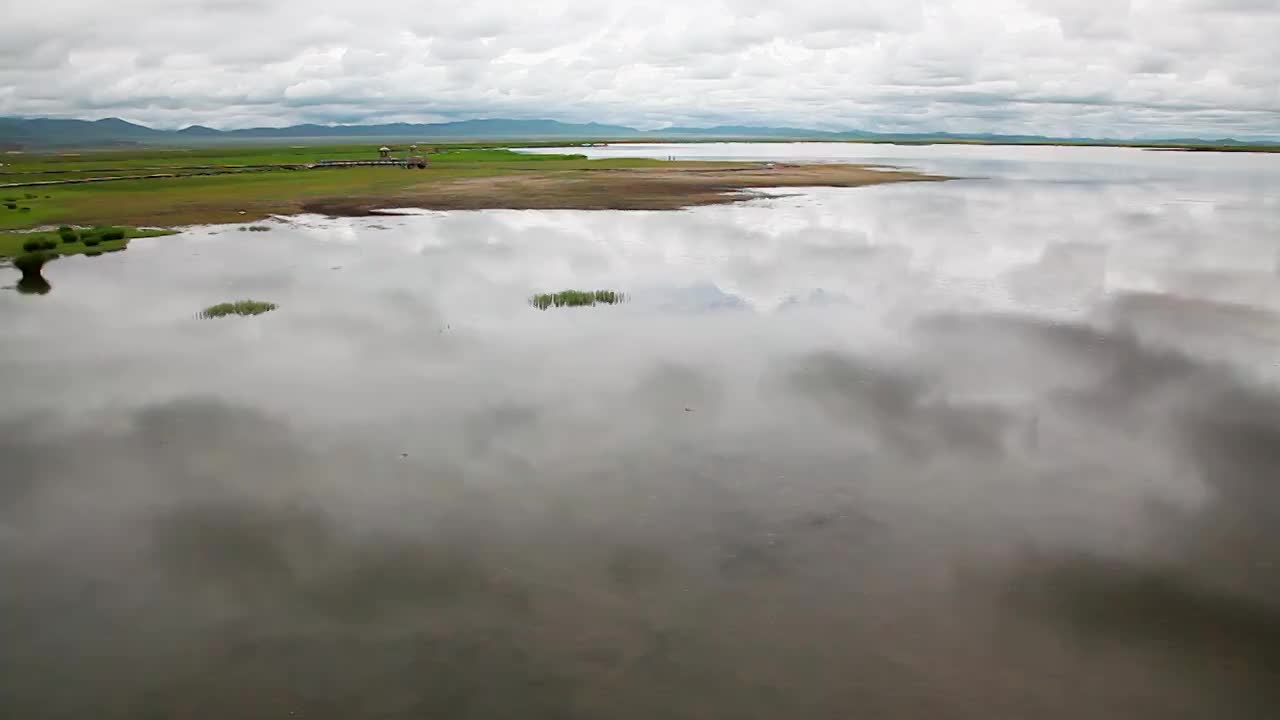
<point x="219" y="185"/>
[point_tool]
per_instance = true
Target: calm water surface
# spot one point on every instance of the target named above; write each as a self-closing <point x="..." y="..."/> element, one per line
<point x="1001" y="447"/>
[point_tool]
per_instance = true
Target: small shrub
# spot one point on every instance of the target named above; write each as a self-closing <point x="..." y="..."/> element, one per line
<point x="92" y="240"/>
<point x="11" y="206"/>
<point x="39" y="243"/>
<point x="30" y="196"/>
<point x="30" y="263"/>
<point x="68" y="236"/>
<point x="24" y="209"/>
<point x="64" y="229"/>
<point x="112" y="234"/>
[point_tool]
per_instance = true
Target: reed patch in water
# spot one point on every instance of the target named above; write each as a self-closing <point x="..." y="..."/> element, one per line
<point x="243" y="308"/>
<point x="576" y="298"/>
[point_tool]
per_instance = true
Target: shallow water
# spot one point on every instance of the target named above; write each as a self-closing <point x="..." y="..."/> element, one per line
<point x="1005" y="446"/>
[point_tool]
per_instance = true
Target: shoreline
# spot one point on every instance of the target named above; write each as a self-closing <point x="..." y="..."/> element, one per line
<point x="656" y="187"/>
<point x="457" y="179"/>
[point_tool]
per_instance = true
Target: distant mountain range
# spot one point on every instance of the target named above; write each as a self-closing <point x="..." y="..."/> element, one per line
<point x="49" y="132"/>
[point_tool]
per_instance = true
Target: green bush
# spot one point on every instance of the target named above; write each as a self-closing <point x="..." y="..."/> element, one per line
<point x="112" y="234"/>
<point x="68" y="236"/>
<point x="92" y="240"/>
<point x="11" y="206"/>
<point x="31" y="262"/>
<point x="39" y="243"/>
<point x="65" y="228"/>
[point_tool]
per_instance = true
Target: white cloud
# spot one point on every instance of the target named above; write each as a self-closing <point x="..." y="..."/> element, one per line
<point x="1082" y="67"/>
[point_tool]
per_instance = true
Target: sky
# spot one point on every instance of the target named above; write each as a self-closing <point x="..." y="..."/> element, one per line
<point x="1097" y="68"/>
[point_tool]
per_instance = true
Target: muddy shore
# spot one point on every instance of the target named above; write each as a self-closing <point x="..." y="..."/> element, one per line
<point x="663" y="188"/>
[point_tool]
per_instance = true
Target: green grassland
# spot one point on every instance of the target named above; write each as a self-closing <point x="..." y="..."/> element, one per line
<point x="239" y="195"/>
<point x="149" y="158"/>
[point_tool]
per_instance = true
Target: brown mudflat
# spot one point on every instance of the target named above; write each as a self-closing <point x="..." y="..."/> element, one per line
<point x="658" y="188"/>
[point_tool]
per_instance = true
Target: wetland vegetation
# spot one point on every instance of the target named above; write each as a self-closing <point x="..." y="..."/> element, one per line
<point x="577" y="298"/>
<point x="71" y="241"/>
<point x="243" y="308"/>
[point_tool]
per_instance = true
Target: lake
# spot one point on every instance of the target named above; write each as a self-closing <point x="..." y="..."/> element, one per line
<point x="1003" y="446"/>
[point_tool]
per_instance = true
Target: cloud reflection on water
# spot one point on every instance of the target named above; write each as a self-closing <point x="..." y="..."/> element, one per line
<point x="896" y="452"/>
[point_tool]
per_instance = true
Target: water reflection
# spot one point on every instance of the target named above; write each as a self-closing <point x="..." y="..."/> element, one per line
<point x="910" y="452"/>
<point x="33" y="284"/>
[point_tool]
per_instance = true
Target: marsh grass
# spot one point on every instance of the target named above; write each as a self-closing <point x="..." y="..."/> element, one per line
<point x="576" y="298"/>
<point x="243" y="308"/>
<point x="76" y="241"/>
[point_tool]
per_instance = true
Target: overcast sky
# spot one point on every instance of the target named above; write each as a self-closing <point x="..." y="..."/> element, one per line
<point x="1055" y="67"/>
